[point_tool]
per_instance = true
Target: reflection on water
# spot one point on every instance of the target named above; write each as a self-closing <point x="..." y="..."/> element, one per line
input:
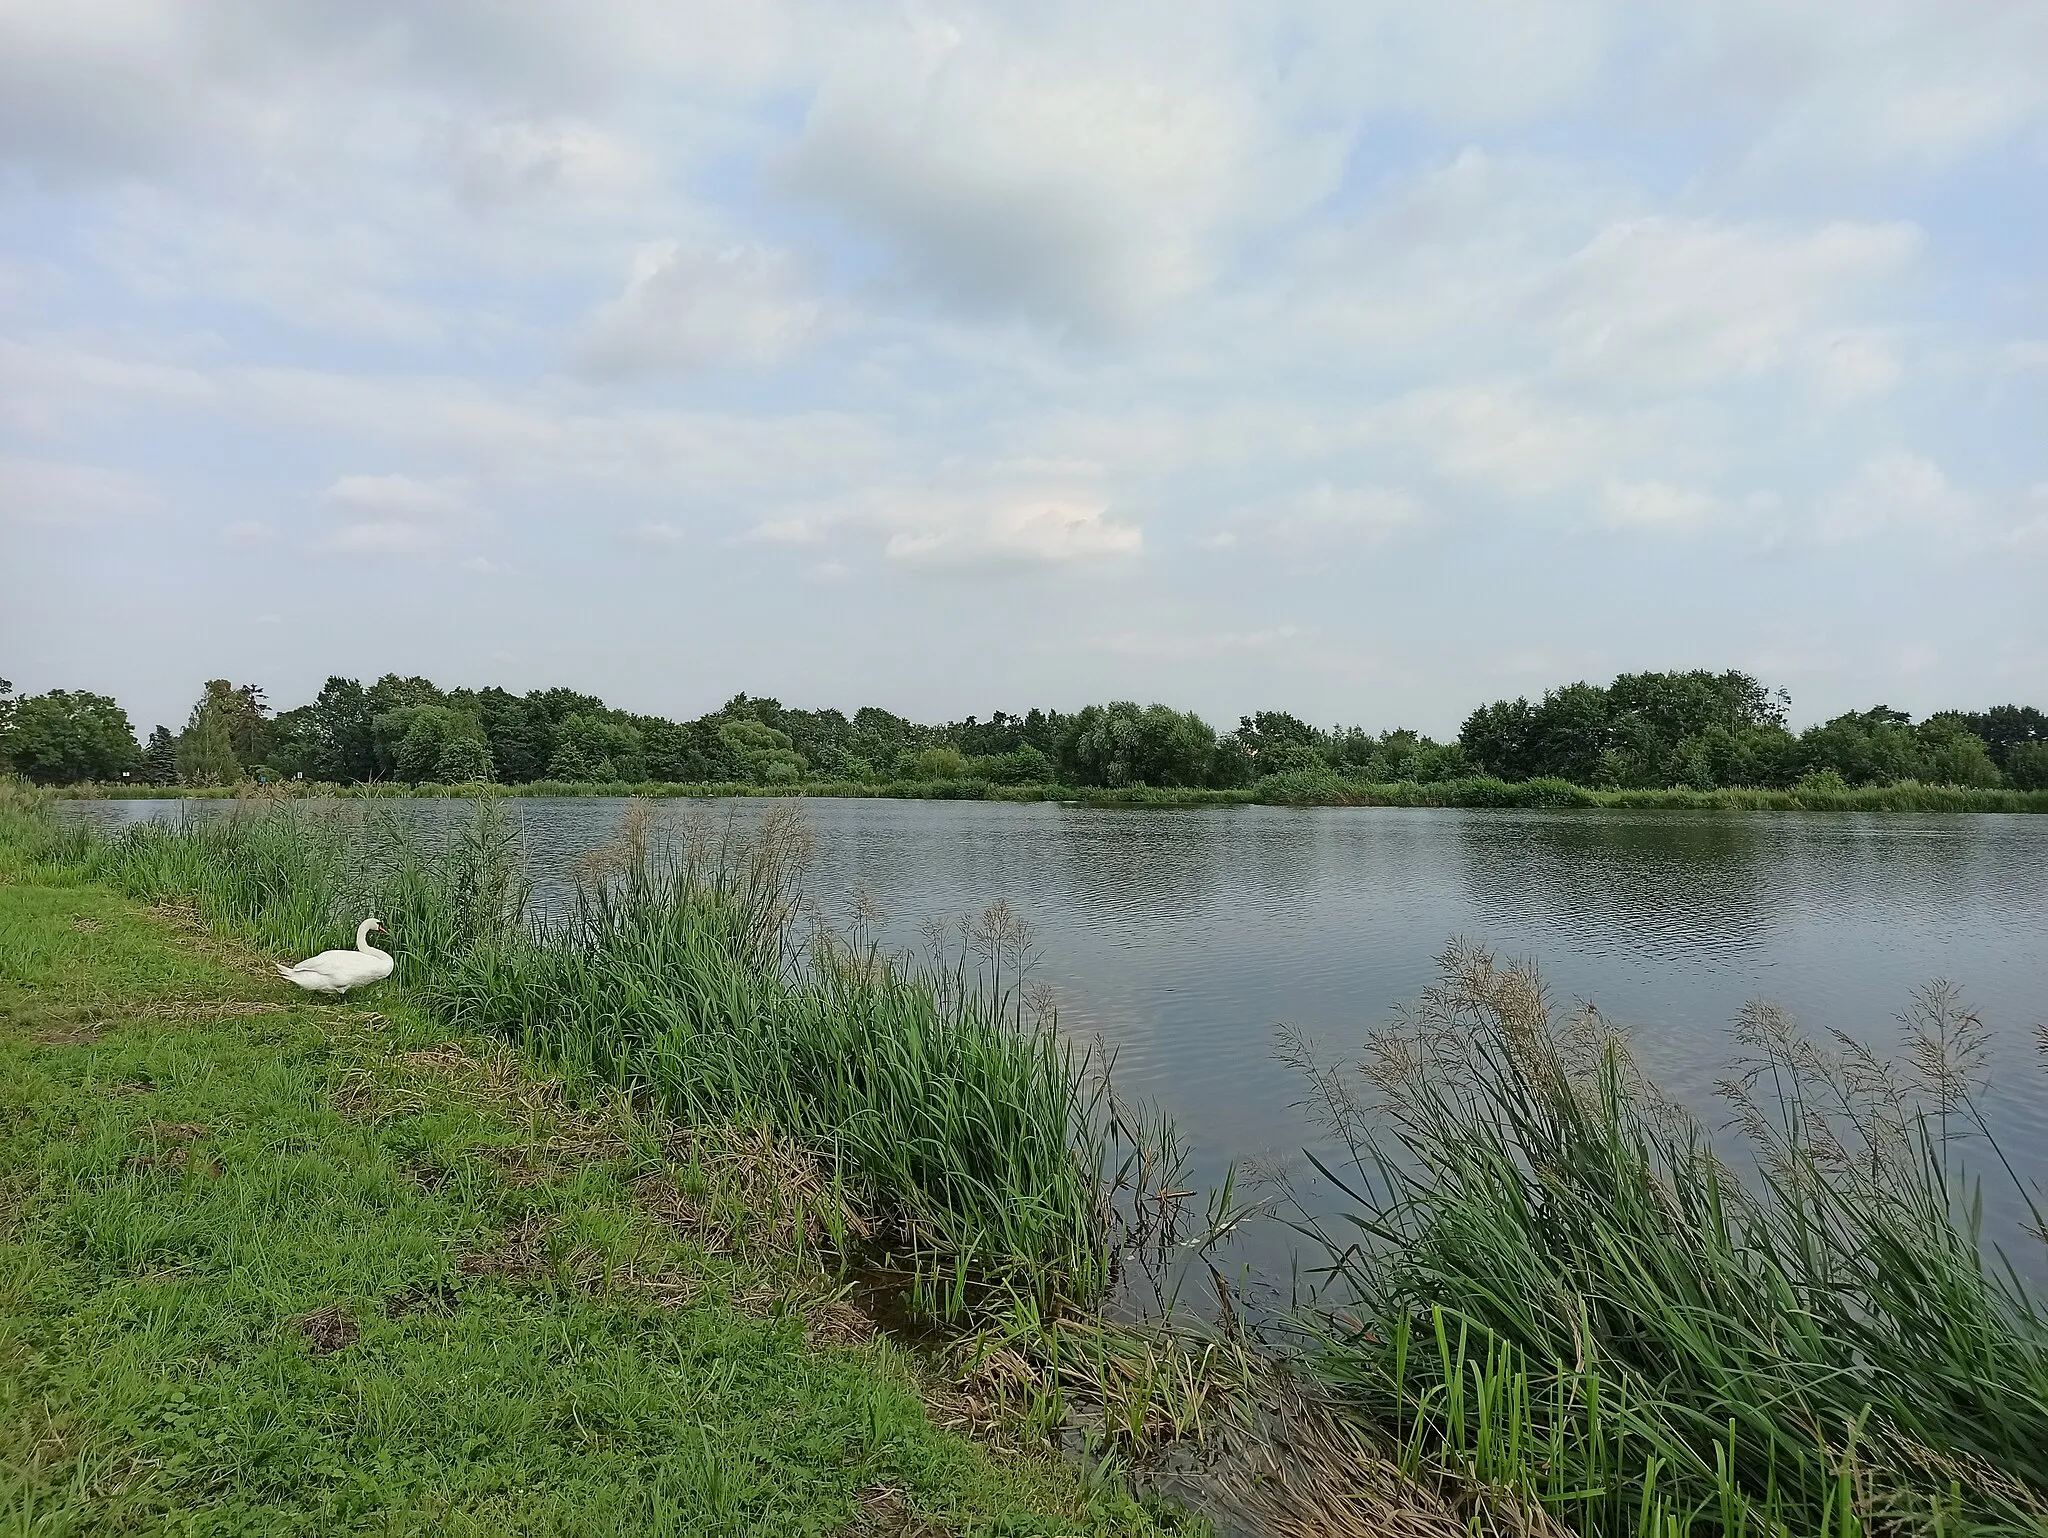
<point x="1184" y="938"/>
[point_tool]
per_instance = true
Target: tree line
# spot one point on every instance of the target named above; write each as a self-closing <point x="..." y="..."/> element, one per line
<point x="1643" y="730"/>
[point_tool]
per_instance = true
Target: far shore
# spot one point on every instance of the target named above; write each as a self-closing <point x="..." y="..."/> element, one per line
<point x="1277" y="790"/>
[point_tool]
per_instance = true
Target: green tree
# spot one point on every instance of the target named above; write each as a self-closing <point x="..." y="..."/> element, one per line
<point x="760" y="752"/>
<point x="1952" y="754"/>
<point x="160" y="758"/>
<point x="2026" y="765"/>
<point x="1571" y="733"/>
<point x="2006" y="727"/>
<point x="595" y="747"/>
<point x="206" y="748"/>
<point x="438" y="743"/>
<point x="1500" y="739"/>
<point x="67" y="736"/>
<point x="390" y="702"/>
<point x="690" y="752"/>
<point x="465" y="760"/>
<point x="1870" y="747"/>
<point x="344" y="742"/>
<point x="8" y="705"/>
<point x="1123" y="744"/>
<point x="942" y="762"/>
<point x="1022" y="765"/>
<point x="243" y="714"/>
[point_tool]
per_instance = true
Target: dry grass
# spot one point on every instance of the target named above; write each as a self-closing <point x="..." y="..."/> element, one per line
<point x="328" y="1329"/>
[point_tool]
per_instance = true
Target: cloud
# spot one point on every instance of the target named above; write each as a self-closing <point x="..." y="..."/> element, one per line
<point x="51" y="388"/>
<point x="1899" y="85"/>
<point x="1076" y="174"/>
<point x="380" y="539"/>
<point x="1181" y="647"/>
<point x="657" y="534"/>
<point x="1694" y="302"/>
<point x="1657" y="507"/>
<point x="1321" y="518"/>
<point x="1853" y="368"/>
<point x="61" y="495"/>
<point x="392" y="514"/>
<point x="688" y="308"/>
<point x="1034" y="533"/>
<point x="1505" y="435"/>
<point x="397" y="494"/>
<point x="1894" y="494"/>
<point x="508" y="159"/>
<point x="2030" y="529"/>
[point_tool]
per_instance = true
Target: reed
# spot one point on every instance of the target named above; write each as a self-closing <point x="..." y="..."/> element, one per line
<point x="986" y="1150"/>
<point x="937" y="1089"/>
<point x="1549" y="1283"/>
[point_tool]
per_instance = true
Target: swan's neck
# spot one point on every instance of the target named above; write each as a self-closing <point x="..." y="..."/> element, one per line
<point x="363" y="935"/>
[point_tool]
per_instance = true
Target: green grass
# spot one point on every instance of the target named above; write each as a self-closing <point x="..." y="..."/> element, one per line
<point x="949" y="1108"/>
<point x="1549" y="1283"/>
<point x="274" y="1266"/>
<point x="1477" y="792"/>
<point x="940" y="1096"/>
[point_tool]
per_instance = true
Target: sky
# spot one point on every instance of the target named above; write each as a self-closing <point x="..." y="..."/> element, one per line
<point x="1366" y="360"/>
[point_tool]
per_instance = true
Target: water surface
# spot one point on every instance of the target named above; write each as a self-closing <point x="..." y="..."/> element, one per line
<point x="1183" y="939"/>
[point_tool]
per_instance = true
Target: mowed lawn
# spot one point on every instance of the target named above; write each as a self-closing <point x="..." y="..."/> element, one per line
<point x="270" y="1265"/>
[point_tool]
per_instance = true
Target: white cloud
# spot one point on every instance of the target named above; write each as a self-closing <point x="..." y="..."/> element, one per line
<point x="49" y="389"/>
<point x="1693" y="302"/>
<point x="392" y="514"/>
<point x="787" y="531"/>
<point x="58" y="494"/>
<point x="1855" y="367"/>
<point x="385" y="538"/>
<point x="1888" y="85"/>
<point x="507" y="159"/>
<point x="2030" y="528"/>
<point x="1024" y="533"/>
<point x="1077" y="172"/>
<point x="1321" y="518"/>
<point x="686" y="308"/>
<point x="1290" y="280"/>
<point x="1181" y="647"/>
<point x="1504" y="435"/>
<point x="1657" y="507"/>
<point x="1896" y="494"/>
<point x="397" y="494"/>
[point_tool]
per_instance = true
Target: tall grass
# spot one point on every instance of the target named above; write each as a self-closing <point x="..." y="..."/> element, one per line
<point x="1549" y="1281"/>
<point x="937" y="1089"/>
<point x="297" y="877"/>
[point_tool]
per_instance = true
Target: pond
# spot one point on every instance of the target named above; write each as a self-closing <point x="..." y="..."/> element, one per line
<point x="1185" y="939"/>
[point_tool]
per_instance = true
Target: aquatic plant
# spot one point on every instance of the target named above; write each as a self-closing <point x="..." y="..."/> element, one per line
<point x="1548" y="1282"/>
<point x="937" y="1088"/>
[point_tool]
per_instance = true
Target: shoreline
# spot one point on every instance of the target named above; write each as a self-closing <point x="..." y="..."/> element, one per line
<point x="1282" y="790"/>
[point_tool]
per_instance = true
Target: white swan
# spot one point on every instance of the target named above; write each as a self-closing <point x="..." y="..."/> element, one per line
<point x="338" y="971"/>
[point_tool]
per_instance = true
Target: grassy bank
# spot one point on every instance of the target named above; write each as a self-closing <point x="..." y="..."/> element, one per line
<point x="941" y="1099"/>
<point x="271" y="1265"/>
<point x="1277" y="790"/>
<point x="1548" y="1283"/>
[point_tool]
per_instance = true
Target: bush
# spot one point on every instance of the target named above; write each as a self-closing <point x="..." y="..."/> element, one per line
<point x="1547" y="790"/>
